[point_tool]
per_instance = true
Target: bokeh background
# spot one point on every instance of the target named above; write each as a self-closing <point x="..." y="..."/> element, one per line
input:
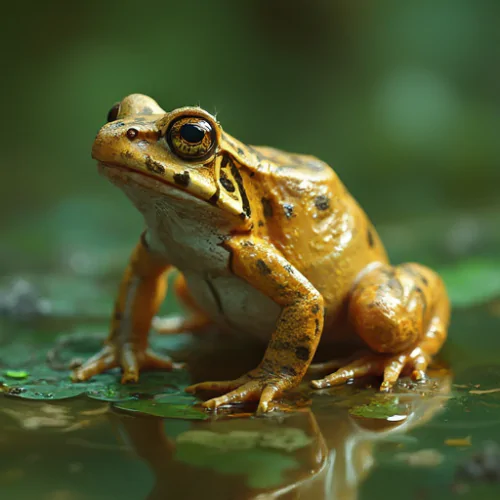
<point x="401" y="98"/>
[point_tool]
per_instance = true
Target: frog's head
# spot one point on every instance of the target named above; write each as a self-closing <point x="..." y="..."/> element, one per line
<point x="167" y="152"/>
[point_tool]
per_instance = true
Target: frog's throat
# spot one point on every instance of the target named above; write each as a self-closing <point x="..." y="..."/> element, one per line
<point x="120" y="174"/>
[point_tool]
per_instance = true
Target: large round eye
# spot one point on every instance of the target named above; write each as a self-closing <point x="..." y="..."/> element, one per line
<point x="191" y="138"/>
<point x="113" y="112"/>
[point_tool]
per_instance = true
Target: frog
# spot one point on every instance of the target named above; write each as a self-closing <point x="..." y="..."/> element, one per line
<point x="266" y="244"/>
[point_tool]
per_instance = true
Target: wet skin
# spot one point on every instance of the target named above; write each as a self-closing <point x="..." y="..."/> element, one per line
<point x="266" y="243"/>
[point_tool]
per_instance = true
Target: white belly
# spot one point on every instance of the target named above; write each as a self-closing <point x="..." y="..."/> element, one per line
<point x="189" y="233"/>
<point x="234" y="304"/>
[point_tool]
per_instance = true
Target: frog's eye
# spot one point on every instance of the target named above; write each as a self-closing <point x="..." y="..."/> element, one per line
<point x="191" y="138"/>
<point x="113" y="112"/>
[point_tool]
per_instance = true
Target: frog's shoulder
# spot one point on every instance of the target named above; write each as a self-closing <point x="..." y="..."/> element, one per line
<point x="283" y="164"/>
<point x="276" y="164"/>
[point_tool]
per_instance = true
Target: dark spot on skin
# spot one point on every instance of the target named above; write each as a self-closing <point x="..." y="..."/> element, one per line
<point x="315" y="309"/>
<point x="239" y="181"/>
<point x="316" y="329"/>
<point x="281" y="345"/>
<point x="224" y="161"/>
<point x="302" y="353"/>
<point x="127" y="155"/>
<point x="247" y="244"/>
<point x="215" y="197"/>
<point x="228" y="185"/>
<point x="289" y="268"/>
<point x="243" y="216"/>
<point x="322" y="202"/>
<point x="267" y="207"/>
<point x="424" y="280"/>
<point x="154" y="166"/>
<point x="241" y="152"/>
<point x="117" y="125"/>
<point x="252" y="174"/>
<point x="424" y="300"/>
<point x="147" y="111"/>
<point x="261" y="223"/>
<point x="182" y="179"/>
<point x="369" y="236"/>
<point x="288" y="208"/>
<point x="288" y="371"/>
<point x="263" y="267"/>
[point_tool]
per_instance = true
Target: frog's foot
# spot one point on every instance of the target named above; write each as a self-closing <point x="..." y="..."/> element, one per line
<point x="390" y="367"/>
<point x="256" y="385"/>
<point x="128" y="357"/>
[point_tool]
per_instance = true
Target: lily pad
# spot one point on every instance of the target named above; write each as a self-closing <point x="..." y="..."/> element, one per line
<point x="43" y="382"/>
<point x="176" y="405"/>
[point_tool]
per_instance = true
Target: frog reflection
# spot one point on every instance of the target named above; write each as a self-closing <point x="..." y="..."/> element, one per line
<point x="329" y="449"/>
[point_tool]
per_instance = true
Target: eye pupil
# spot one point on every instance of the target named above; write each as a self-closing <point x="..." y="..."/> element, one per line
<point x="192" y="133"/>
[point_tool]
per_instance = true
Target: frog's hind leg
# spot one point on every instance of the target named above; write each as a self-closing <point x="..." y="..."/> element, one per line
<point x="196" y="321"/>
<point x="402" y="314"/>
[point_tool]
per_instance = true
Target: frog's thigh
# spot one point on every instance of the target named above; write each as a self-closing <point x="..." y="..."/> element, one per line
<point x="402" y="314"/>
<point x="388" y="308"/>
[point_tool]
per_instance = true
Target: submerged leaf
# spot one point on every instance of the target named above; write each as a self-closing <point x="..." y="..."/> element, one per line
<point x="385" y="409"/>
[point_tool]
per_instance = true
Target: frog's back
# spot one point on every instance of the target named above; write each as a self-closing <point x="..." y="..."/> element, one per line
<point x="308" y="214"/>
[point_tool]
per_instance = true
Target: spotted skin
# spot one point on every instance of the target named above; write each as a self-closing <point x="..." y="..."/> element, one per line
<point x="249" y="225"/>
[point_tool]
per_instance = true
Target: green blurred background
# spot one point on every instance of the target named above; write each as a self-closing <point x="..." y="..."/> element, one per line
<point x="401" y="98"/>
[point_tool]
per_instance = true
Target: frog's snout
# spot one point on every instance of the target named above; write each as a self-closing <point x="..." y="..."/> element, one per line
<point x="111" y="139"/>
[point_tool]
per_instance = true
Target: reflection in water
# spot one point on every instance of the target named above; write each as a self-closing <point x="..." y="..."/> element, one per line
<point x="322" y="452"/>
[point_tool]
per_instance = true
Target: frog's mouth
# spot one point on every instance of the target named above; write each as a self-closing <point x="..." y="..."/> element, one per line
<point x="122" y="175"/>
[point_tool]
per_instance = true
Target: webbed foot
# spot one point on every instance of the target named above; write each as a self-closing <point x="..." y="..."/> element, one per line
<point x="390" y="367"/>
<point x="128" y="357"/>
<point x="257" y="385"/>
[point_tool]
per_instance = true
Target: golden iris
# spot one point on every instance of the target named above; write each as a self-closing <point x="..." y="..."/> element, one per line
<point x="191" y="138"/>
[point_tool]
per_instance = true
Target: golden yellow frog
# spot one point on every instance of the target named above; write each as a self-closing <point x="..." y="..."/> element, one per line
<point x="268" y="244"/>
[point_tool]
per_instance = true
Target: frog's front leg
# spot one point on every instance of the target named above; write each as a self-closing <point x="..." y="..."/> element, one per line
<point x="298" y="329"/>
<point x="142" y="290"/>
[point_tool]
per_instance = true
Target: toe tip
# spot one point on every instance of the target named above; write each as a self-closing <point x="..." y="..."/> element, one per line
<point x="318" y="384"/>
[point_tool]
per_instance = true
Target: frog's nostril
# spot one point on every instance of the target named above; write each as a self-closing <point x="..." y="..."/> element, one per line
<point x="132" y="133"/>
